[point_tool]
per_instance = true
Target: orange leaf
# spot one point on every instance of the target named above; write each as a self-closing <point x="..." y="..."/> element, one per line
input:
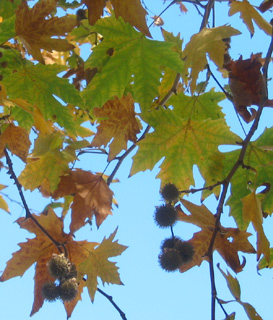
<point x="91" y="196"/>
<point x="17" y="141"/>
<point x="36" y="30"/>
<point x="120" y="124"/>
<point x="228" y="240"/>
<point x="40" y="250"/>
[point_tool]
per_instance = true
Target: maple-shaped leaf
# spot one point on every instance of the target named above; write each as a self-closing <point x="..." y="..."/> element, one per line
<point x="16" y="139"/>
<point x="206" y="42"/>
<point x="252" y="211"/>
<point x="91" y="196"/>
<point x="235" y="289"/>
<point x="228" y="241"/>
<point x="125" y="52"/>
<point x="131" y="12"/>
<point x="183" y="142"/>
<point x="35" y="30"/>
<point x="98" y="265"/>
<point x="246" y="84"/>
<point x="39" y="85"/>
<point x="118" y="123"/>
<point x="249" y="14"/>
<point x="40" y="249"/>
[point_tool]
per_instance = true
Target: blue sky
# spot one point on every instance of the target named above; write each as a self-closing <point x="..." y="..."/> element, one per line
<point x="148" y="291"/>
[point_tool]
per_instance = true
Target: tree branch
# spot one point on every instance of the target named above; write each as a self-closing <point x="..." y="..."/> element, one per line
<point x="28" y="213"/>
<point x="110" y="299"/>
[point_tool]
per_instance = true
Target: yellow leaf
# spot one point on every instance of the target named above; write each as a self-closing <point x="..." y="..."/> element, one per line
<point x="206" y="42"/>
<point x="3" y="205"/>
<point x="36" y="30"/>
<point x="17" y="141"/>
<point x="118" y="124"/>
<point x="247" y="14"/>
<point x="98" y="265"/>
<point x="252" y="211"/>
<point x="50" y="166"/>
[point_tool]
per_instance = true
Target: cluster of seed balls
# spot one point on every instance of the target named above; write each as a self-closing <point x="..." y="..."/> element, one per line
<point x="65" y="286"/>
<point x="174" y="251"/>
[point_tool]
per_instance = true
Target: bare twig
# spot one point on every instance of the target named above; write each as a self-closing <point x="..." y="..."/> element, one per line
<point x="209" y="6"/>
<point x="110" y="299"/>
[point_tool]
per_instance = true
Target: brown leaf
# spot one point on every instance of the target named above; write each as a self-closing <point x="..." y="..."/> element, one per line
<point x="246" y="84"/>
<point x="131" y="12"/>
<point x="36" y="30"/>
<point x="228" y="241"/>
<point x="118" y="125"/>
<point x="265" y="5"/>
<point x="91" y="196"/>
<point x="16" y="140"/>
<point x="40" y="250"/>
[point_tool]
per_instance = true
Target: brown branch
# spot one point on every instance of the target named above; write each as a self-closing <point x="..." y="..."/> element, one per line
<point x="110" y="299"/>
<point x="28" y="213"/>
<point x="209" y="6"/>
<point x="232" y="172"/>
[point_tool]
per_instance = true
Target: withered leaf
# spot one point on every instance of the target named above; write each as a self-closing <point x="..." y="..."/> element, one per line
<point x="228" y="240"/>
<point x="118" y="124"/>
<point x="36" y="32"/>
<point x="92" y="196"/>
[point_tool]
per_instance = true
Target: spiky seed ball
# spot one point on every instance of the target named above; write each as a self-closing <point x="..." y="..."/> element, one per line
<point x="186" y="250"/>
<point x="170" y="192"/>
<point x="58" y="266"/>
<point x="68" y="289"/>
<point x="170" y="260"/>
<point x="72" y="272"/>
<point x="165" y="216"/>
<point x="50" y="291"/>
<point x="169" y="243"/>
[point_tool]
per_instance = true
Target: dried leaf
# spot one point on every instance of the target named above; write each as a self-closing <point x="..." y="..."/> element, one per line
<point x="40" y="250"/>
<point x="228" y="240"/>
<point x="91" y="196"/>
<point x="16" y="140"/>
<point x="246" y="84"/>
<point x="36" y="31"/>
<point x="118" y="125"/>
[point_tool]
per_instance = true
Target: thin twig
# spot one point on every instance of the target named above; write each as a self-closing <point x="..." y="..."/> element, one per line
<point x="110" y="299"/>
<point x="209" y="6"/>
<point x="28" y="213"/>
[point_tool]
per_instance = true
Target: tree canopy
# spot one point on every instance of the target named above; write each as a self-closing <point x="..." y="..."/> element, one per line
<point x="132" y="93"/>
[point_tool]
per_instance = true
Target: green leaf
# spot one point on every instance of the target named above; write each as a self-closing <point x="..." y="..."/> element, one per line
<point x="125" y="52"/>
<point x="40" y="85"/>
<point x="7" y="29"/>
<point x="7" y="8"/>
<point x="183" y="142"/>
<point x="233" y="284"/>
<point x="199" y="107"/>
